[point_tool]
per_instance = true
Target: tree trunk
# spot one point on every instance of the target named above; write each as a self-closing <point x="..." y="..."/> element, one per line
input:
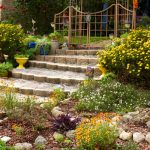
<point x="2" y="59"/>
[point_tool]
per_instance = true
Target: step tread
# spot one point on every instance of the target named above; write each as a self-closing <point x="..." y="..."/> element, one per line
<point x="74" y="56"/>
<point x="61" y="64"/>
<point x="32" y="85"/>
<point x="50" y="73"/>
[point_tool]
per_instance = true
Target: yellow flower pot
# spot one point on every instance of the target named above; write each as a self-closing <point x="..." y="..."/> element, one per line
<point x="21" y="62"/>
<point x="102" y="69"/>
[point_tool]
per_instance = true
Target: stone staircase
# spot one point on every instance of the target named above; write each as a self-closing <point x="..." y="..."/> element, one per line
<point x="65" y="67"/>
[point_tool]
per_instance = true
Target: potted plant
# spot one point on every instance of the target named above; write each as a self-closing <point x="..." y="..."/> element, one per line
<point x="21" y="59"/>
<point x="55" y="36"/>
<point x="43" y="46"/>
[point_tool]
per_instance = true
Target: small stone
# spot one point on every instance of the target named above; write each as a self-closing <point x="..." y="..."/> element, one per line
<point x="148" y="124"/>
<point x="120" y="130"/>
<point x="58" y="137"/>
<point x="56" y="112"/>
<point x="65" y="101"/>
<point x="138" y="137"/>
<point x="116" y="119"/>
<point x="5" y="139"/>
<point x="23" y="146"/>
<point x="125" y="136"/>
<point x="70" y="134"/>
<point x="40" y="140"/>
<point x="127" y="118"/>
<point x="148" y="138"/>
<point x="133" y="113"/>
<point x="1" y="121"/>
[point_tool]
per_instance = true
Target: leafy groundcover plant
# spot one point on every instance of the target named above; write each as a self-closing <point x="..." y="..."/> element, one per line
<point x="97" y="132"/>
<point x="109" y="96"/>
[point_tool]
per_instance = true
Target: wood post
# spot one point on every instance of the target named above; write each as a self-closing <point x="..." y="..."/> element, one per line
<point x="70" y="26"/>
<point x="116" y="19"/>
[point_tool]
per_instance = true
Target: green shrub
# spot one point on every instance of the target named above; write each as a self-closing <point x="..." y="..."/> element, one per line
<point x="111" y="96"/>
<point x="129" y="58"/>
<point x="11" y="37"/>
<point x="4" y="68"/>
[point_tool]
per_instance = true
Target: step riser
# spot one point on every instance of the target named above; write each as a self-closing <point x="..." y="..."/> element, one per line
<point x="46" y="79"/>
<point x="75" y="52"/>
<point x="63" y="68"/>
<point x="65" y="60"/>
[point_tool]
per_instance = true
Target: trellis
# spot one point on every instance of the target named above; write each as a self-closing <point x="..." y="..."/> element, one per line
<point x="76" y="24"/>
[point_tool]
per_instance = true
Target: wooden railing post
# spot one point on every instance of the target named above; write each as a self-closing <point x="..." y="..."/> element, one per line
<point x="116" y="19"/>
<point x="70" y="26"/>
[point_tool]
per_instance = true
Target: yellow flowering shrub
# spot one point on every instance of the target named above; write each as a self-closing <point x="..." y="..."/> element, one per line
<point x="131" y="57"/>
<point x="11" y="38"/>
<point x="98" y="131"/>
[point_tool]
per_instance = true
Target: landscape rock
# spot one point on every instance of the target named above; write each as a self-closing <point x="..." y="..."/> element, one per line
<point x="138" y="137"/>
<point x="120" y="130"/>
<point x="116" y="119"/>
<point x="5" y="139"/>
<point x="56" y="111"/>
<point x="125" y="136"/>
<point x="148" y="124"/>
<point x="40" y="140"/>
<point x="58" y="137"/>
<point x="148" y="138"/>
<point x="23" y="146"/>
<point x="127" y="118"/>
<point x="70" y="134"/>
<point x="133" y="113"/>
<point x="65" y="101"/>
<point x="1" y="121"/>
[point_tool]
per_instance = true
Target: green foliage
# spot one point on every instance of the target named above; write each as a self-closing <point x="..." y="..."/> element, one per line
<point x="59" y="94"/>
<point x="108" y="96"/>
<point x="28" y="10"/>
<point x="2" y="145"/>
<point x="129" y="58"/>
<point x="130" y="145"/>
<point x="44" y="43"/>
<point x="55" y="36"/>
<point x="4" y="68"/>
<point x="144" y="21"/>
<point x="11" y="37"/>
<point x="21" y="56"/>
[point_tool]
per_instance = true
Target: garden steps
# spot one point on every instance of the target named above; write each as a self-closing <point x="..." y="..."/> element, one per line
<point x="27" y="87"/>
<point x="64" y="67"/>
<point x="69" y="59"/>
<point x="76" y="52"/>
<point x="49" y="76"/>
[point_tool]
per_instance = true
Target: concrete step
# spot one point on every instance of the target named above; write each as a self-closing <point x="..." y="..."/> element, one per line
<point x="69" y="59"/>
<point x="26" y="87"/>
<point x="49" y="76"/>
<point x="64" y="67"/>
<point x="75" y="52"/>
